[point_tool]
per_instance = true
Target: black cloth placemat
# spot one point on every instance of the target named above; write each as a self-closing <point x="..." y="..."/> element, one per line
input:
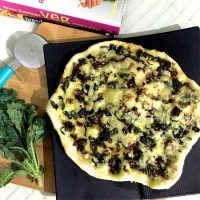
<point x="73" y="183"/>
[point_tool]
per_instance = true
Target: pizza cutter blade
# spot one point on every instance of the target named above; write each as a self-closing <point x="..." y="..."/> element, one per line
<point x="28" y="52"/>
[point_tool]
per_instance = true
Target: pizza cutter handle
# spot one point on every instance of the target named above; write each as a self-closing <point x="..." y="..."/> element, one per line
<point x="5" y="75"/>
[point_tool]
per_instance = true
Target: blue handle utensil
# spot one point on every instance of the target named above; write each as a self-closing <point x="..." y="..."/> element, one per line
<point x="5" y="75"/>
<point x="28" y="52"/>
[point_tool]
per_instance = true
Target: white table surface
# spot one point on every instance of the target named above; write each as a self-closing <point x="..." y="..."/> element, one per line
<point x="140" y="16"/>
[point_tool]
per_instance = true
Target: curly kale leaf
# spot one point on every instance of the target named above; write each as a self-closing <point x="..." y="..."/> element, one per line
<point x="16" y="112"/>
<point x="7" y="153"/>
<point x="36" y="130"/>
<point x="31" y="114"/>
<point x="9" y="136"/>
<point x="6" y="176"/>
<point x="7" y="95"/>
<point x="10" y="173"/>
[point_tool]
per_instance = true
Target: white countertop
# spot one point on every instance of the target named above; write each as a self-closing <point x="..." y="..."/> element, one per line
<point x="140" y="16"/>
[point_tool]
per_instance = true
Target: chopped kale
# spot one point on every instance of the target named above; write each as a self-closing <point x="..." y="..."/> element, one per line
<point x="79" y="95"/>
<point x="87" y="87"/>
<point x="173" y="72"/>
<point x="129" y="128"/>
<point x="158" y="126"/>
<point x="65" y="84"/>
<point x="134" y="153"/>
<point x="148" y="141"/>
<point x="139" y="53"/>
<point x="113" y="85"/>
<point x="75" y="70"/>
<point x="80" y="144"/>
<point x="68" y="126"/>
<point x="181" y="133"/>
<point x="99" y="157"/>
<point x="164" y="65"/>
<point x="112" y="47"/>
<point x="104" y="135"/>
<point x="175" y="111"/>
<point x="82" y="61"/>
<point x="82" y="112"/>
<point x="54" y="105"/>
<point x="103" y="111"/>
<point x="195" y="129"/>
<point x="176" y="85"/>
<point x="115" y="164"/>
<point x="131" y="83"/>
<point x="150" y="170"/>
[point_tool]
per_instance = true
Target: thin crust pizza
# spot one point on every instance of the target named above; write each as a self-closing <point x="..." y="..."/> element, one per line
<point x="126" y="113"/>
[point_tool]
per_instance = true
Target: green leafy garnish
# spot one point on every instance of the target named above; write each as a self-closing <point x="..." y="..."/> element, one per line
<point x="20" y="129"/>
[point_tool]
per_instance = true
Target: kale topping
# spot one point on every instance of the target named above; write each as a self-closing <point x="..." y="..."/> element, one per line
<point x="181" y="133"/>
<point x="65" y="84"/>
<point x="68" y="126"/>
<point x="115" y="164"/>
<point x="131" y="83"/>
<point x="54" y="105"/>
<point x="176" y="85"/>
<point x="80" y="144"/>
<point x="79" y="95"/>
<point x="164" y="65"/>
<point x="147" y="141"/>
<point x="195" y="129"/>
<point x="175" y="111"/>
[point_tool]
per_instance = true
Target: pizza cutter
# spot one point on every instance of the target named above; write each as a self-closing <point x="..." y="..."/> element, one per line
<point x="28" y="52"/>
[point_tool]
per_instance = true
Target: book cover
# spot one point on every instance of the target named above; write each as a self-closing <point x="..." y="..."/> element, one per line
<point x="106" y="17"/>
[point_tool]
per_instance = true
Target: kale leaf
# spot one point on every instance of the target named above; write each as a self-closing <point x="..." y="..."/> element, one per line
<point x="20" y="129"/>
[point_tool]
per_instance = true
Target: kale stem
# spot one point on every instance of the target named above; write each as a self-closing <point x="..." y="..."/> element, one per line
<point x="39" y="180"/>
<point x="36" y="173"/>
<point x="21" y="149"/>
<point x="21" y="166"/>
<point x="34" y="155"/>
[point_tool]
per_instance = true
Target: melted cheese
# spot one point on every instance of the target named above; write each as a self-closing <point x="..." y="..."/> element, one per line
<point x="113" y="96"/>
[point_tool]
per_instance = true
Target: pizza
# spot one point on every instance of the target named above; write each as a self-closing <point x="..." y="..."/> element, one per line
<point x="126" y="113"/>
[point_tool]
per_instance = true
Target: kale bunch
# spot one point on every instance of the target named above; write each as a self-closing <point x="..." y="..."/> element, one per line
<point x="20" y="129"/>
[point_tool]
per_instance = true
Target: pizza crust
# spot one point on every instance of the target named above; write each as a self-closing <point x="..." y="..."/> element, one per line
<point x="103" y="172"/>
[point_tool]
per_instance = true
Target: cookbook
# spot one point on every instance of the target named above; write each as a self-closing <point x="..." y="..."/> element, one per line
<point x="106" y="17"/>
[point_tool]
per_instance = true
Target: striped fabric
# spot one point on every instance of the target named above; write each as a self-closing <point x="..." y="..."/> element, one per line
<point x="143" y="15"/>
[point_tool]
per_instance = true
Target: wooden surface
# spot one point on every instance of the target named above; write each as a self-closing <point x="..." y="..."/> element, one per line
<point x="56" y="33"/>
<point x="34" y="90"/>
